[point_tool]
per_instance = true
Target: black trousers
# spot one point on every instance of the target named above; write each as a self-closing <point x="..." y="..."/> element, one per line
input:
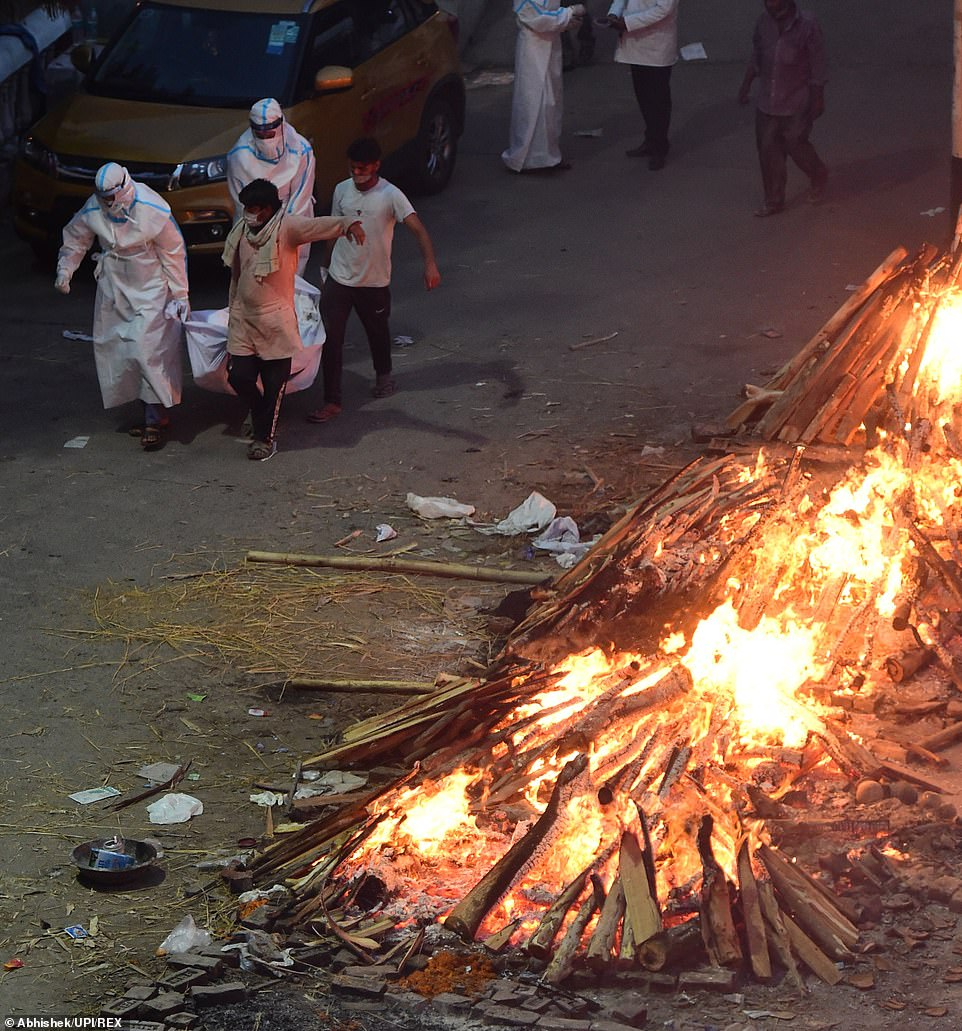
<point x="243" y="371"/>
<point x="373" y="307"/>
<point x="653" y="93"/>
<point x="779" y="137"/>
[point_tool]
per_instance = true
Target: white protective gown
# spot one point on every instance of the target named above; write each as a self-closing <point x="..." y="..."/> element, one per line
<point x="140" y="268"/>
<point x="536" y="108"/>
<point x="292" y="173"/>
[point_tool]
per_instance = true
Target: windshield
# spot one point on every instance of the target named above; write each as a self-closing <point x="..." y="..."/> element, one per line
<point x="206" y="58"/>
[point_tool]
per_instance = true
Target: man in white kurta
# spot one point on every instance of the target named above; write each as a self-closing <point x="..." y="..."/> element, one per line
<point x="536" y="108"/>
<point x="262" y="334"/>
<point x="648" y="42"/>
<point x="141" y="274"/>
<point x="272" y="149"/>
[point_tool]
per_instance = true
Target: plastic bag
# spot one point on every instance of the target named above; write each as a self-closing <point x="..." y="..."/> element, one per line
<point x="184" y="937"/>
<point x="206" y="333"/>
<point x="174" y="808"/>
<point x="438" y="508"/>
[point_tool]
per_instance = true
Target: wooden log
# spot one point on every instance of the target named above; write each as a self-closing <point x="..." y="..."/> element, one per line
<point x="601" y="946"/>
<point x="562" y="962"/>
<point x="810" y="954"/>
<point x="642" y="914"/>
<point x="679" y="944"/>
<point x="817" y="914"/>
<point x="497" y="941"/>
<point x="717" y="924"/>
<point x="467" y="915"/>
<point x="894" y="771"/>
<point x="778" y="937"/>
<point x="942" y="738"/>
<point x="753" y="918"/>
<point x="539" y="944"/>
<point x="905" y="664"/>
<point x="413" y="687"/>
<point x="838" y="320"/>
<point x="400" y="565"/>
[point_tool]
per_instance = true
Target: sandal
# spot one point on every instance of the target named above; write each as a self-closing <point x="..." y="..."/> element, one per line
<point x="260" y="450"/>
<point x="384" y="387"/>
<point x="325" y="414"/>
<point x="150" y="438"/>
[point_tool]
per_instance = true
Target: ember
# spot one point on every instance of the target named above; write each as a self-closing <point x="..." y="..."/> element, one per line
<point x="595" y="797"/>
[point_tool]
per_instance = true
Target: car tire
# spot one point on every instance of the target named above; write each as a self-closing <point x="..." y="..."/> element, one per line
<point x="435" y="149"/>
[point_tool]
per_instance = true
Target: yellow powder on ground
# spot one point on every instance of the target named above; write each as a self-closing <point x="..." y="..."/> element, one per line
<point x="464" y="974"/>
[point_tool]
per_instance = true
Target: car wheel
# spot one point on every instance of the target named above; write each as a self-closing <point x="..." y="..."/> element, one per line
<point x="436" y="148"/>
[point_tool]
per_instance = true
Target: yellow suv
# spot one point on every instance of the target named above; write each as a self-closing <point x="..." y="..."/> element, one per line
<point x="171" y="92"/>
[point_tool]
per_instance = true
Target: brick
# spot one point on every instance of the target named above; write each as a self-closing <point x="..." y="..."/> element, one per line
<point x="613" y="1025"/>
<point x="505" y="997"/>
<point x="630" y="1008"/>
<point x="218" y="994"/>
<point x="512" y="1016"/>
<point x="384" y="970"/>
<point x="714" y="980"/>
<point x="197" y="960"/>
<point x="122" y="1008"/>
<point x="451" y="1002"/>
<point x="182" y="1021"/>
<point x="345" y="984"/>
<point x="230" y="959"/>
<point x="536" y="1004"/>
<point x="162" y="1005"/>
<point x="260" y="919"/>
<point x="140" y="992"/>
<point x="142" y="1025"/>
<point x="185" y="978"/>
<point x="551" y="1022"/>
<point x="575" y="1009"/>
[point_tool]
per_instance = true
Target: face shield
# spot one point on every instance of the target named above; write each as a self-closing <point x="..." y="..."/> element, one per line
<point x="267" y="130"/>
<point x="115" y="189"/>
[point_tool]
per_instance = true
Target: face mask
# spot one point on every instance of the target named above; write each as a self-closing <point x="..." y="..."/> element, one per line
<point x="251" y="221"/>
<point x="269" y="147"/>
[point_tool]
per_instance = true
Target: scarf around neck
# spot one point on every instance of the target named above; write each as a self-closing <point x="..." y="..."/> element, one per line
<point x="264" y="241"/>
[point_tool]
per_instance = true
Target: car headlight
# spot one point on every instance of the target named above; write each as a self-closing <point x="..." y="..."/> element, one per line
<point x="206" y="170"/>
<point x="36" y="154"/>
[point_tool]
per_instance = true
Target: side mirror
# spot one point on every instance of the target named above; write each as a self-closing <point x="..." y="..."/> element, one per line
<point x="332" y="78"/>
<point x="82" y="57"/>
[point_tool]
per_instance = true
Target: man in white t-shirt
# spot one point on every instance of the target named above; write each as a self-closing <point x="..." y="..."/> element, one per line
<point x="361" y="281"/>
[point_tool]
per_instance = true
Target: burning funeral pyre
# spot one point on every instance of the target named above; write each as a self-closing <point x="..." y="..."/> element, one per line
<point x="604" y="796"/>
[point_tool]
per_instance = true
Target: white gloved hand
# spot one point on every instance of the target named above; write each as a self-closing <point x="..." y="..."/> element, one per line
<point x="62" y="283"/>
<point x="177" y="309"/>
<point x="324" y="273"/>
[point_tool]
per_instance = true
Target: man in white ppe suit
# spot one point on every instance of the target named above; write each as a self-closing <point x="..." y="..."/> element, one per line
<point x="142" y="294"/>
<point x="272" y="149"/>
<point x="536" y="110"/>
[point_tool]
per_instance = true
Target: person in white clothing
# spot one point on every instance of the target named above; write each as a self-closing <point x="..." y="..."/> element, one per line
<point x="358" y="279"/>
<point x="534" y="142"/>
<point x="648" y="42"/>
<point x="142" y="294"/>
<point x="272" y="149"/>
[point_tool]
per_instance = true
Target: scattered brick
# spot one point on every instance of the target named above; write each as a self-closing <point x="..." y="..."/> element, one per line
<point x="491" y="1013"/>
<point x="505" y="997"/>
<point x="573" y="1008"/>
<point x="182" y="1021"/>
<point x="162" y="1005"/>
<point x="536" y="1004"/>
<point x="451" y="1002"/>
<point x="230" y="959"/>
<point x="196" y="960"/>
<point x="384" y="970"/>
<point x="631" y="1008"/>
<point x="142" y="1025"/>
<point x="551" y="1022"/>
<point x="140" y="992"/>
<point x="122" y="1008"/>
<point x="613" y="1025"/>
<point x="219" y="994"/>
<point x="346" y="984"/>
<point x="260" y="919"/>
<point x="185" y="978"/>
<point x="714" y="980"/>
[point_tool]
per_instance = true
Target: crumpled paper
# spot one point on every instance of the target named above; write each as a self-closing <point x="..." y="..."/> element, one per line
<point x="262" y="947"/>
<point x="437" y="508"/>
<point x="333" y="782"/>
<point x="563" y="539"/>
<point x="174" y="808"/>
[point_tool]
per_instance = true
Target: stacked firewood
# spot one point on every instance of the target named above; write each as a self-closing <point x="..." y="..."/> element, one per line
<point x="860" y="370"/>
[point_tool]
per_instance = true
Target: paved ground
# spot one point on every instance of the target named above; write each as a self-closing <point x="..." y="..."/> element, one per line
<point x="495" y="397"/>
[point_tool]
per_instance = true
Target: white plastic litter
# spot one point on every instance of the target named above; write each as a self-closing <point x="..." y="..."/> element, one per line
<point x="206" y="333"/>
<point x="563" y="539"/>
<point x="174" y="808"/>
<point x="72" y="334"/>
<point x="385" y="532"/>
<point x="693" y="52"/>
<point x="261" y="946"/>
<point x="533" y="514"/>
<point x="438" y="508"/>
<point x="158" y="773"/>
<point x="269" y="798"/>
<point x="93" y="795"/>
<point x="184" y="937"/>
<point x="333" y="782"/>
<point x="77" y="442"/>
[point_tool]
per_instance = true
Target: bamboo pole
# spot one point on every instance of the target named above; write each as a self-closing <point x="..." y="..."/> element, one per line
<point x="400" y="565"/>
<point x="413" y="687"/>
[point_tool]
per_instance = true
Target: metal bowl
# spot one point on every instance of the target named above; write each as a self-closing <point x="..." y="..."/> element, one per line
<point x="83" y="858"/>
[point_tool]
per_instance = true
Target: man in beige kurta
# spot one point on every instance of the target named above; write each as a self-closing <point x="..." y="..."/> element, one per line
<point x="262" y="335"/>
